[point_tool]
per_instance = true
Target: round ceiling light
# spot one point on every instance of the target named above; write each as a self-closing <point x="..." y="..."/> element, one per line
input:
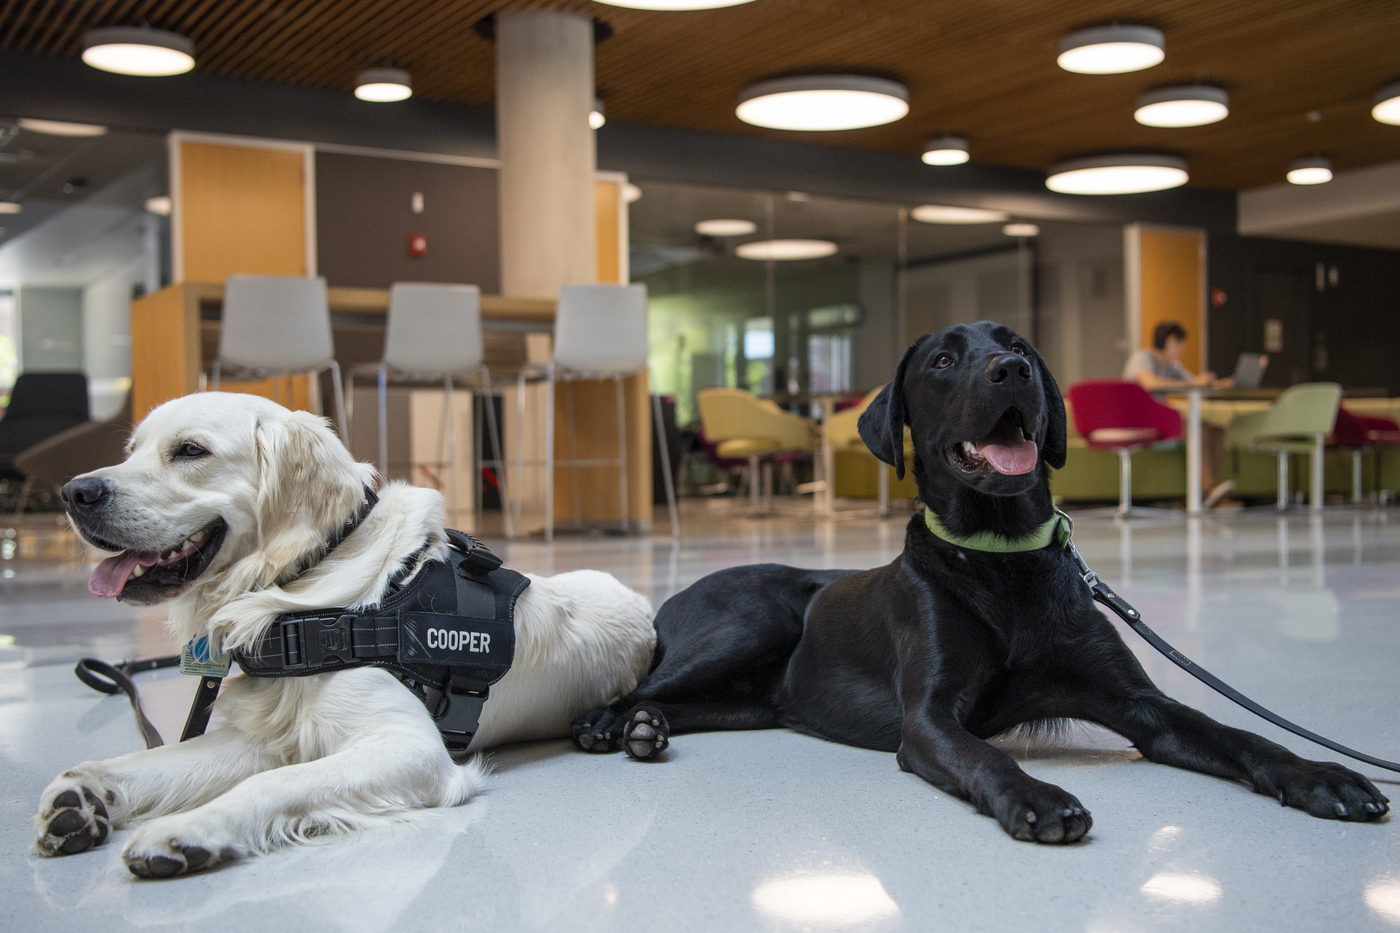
<point x="945" y="150"/>
<point x="160" y="204"/>
<point x="674" y="4"/>
<point x="631" y="193"/>
<point x="60" y="128"/>
<point x="786" y="249"/>
<point x="1314" y="170"/>
<point x="823" y="102"/>
<point x="1195" y="105"/>
<point x="598" y="115"/>
<point x="942" y="214"/>
<point x="10" y="207"/>
<point x="1111" y="50"/>
<point x="1117" y="174"/>
<point x="383" y="85"/>
<point x="1387" y="104"/>
<point x="725" y="227"/>
<point x="1021" y="230"/>
<point x="137" y="50"/>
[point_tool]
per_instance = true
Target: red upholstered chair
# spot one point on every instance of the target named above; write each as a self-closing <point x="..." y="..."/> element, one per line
<point x="1359" y="434"/>
<point x="1123" y="417"/>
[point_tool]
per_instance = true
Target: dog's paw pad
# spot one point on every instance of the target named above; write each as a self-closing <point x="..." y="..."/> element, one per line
<point x="1046" y="814"/>
<point x="1328" y="790"/>
<point x="646" y="733"/>
<point x="74" y="821"/>
<point x="177" y="859"/>
<point x="597" y="731"/>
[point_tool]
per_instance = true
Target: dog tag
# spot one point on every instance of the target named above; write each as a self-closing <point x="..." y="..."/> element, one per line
<point x="196" y="658"/>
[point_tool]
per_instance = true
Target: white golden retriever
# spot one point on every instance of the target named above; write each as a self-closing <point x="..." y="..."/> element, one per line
<point x="219" y="505"/>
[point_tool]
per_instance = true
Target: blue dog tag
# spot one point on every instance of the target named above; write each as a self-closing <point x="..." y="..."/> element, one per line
<point x="196" y="658"/>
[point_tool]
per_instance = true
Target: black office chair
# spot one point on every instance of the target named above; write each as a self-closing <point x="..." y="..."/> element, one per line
<point x="41" y="405"/>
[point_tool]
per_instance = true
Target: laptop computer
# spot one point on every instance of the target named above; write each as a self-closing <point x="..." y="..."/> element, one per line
<point x="1249" y="370"/>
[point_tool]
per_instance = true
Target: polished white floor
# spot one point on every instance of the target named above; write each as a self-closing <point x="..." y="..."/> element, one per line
<point x="773" y="831"/>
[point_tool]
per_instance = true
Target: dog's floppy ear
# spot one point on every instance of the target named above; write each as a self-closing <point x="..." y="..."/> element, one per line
<point x="307" y="485"/>
<point x="1054" y="450"/>
<point x="881" y="425"/>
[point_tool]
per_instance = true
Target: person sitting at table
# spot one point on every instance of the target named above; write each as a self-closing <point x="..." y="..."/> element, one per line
<point x="1159" y="370"/>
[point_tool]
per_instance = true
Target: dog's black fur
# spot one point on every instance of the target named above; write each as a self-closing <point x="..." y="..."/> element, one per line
<point x="945" y="647"/>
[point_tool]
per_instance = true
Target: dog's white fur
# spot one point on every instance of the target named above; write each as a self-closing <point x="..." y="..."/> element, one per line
<point x="302" y="757"/>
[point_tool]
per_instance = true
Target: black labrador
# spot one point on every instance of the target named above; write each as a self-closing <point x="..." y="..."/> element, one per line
<point x="948" y="645"/>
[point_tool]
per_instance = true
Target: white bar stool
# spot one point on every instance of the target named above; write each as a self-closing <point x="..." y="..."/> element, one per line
<point x="600" y="332"/>
<point x="278" y="325"/>
<point x="433" y="333"/>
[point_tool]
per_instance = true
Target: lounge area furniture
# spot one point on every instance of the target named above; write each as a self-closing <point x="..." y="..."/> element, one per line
<point x="1298" y="422"/>
<point x="742" y="425"/>
<point x="80" y="449"/>
<point x="41" y="405"/>
<point x="1124" y="418"/>
<point x="859" y="474"/>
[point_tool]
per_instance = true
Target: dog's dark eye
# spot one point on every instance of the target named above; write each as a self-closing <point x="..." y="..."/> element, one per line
<point x="188" y="451"/>
<point x="1018" y="348"/>
<point x="942" y="361"/>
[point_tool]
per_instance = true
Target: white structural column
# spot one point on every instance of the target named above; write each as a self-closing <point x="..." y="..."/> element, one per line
<point x="544" y="92"/>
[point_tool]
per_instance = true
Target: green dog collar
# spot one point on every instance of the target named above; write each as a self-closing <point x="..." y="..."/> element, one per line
<point x="1057" y="530"/>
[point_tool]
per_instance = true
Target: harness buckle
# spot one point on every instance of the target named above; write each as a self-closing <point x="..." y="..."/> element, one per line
<point x="458" y="713"/>
<point x="314" y="640"/>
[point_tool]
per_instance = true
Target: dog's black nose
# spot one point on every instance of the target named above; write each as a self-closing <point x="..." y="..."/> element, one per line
<point x="86" y="493"/>
<point x="1009" y="367"/>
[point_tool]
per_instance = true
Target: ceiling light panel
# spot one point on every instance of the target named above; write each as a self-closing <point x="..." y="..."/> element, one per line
<point x="1314" y="170"/>
<point x="1387" y="104"/>
<point x="945" y="150"/>
<point x="816" y="103"/>
<point x="383" y="85"/>
<point x="1196" y="105"/>
<point x="598" y="115"/>
<point x="1108" y="50"/>
<point x="942" y="214"/>
<point x="60" y="128"/>
<point x="677" y="5"/>
<point x="786" y="249"/>
<point x="1021" y="230"/>
<point x="725" y="227"/>
<point x="1120" y="174"/>
<point x="132" y="50"/>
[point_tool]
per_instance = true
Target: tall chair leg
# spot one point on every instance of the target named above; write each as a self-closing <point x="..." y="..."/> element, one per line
<point x="339" y="389"/>
<point x="24" y="491"/>
<point x="383" y="394"/>
<point x="450" y="436"/>
<point x="1125" y="481"/>
<point x="884" y="489"/>
<point x="573" y="452"/>
<point x="549" y="454"/>
<point x="519" y="447"/>
<point x="1356" y="477"/>
<point x="753" y="486"/>
<point x="622" y="452"/>
<point x="768" y="485"/>
<point x="1315" y="494"/>
<point x="666" y="478"/>
<point x="497" y="447"/>
<point x="214" y="377"/>
<point x="1282" y="480"/>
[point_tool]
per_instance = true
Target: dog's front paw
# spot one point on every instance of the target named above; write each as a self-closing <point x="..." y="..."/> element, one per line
<point x="598" y="731"/>
<point x="72" y="819"/>
<point x="170" y="846"/>
<point x="1328" y="791"/>
<point x="645" y="733"/>
<point x="1040" y="812"/>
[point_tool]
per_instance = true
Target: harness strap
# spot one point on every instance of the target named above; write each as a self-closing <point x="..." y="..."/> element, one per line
<point x="1120" y="607"/>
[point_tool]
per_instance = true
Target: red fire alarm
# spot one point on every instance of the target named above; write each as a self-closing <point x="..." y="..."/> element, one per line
<point x="417" y="244"/>
<point x="1218" y="297"/>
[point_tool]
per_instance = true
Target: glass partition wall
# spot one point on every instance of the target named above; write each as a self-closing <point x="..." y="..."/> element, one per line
<point x="727" y="310"/>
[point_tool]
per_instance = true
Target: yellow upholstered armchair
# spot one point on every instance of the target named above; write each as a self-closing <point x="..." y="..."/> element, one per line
<point x="744" y="426"/>
<point x="857" y="469"/>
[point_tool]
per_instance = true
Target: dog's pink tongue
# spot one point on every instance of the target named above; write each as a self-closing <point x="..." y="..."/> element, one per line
<point x="111" y="575"/>
<point x="1011" y="459"/>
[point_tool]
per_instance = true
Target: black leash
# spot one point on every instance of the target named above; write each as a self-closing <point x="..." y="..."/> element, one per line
<point x="1105" y="595"/>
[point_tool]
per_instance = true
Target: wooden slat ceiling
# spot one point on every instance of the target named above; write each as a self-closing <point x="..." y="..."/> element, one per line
<point x="982" y="68"/>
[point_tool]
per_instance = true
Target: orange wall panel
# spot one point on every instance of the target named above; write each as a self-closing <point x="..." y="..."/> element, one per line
<point x="242" y="210"/>
<point x="1173" y="287"/>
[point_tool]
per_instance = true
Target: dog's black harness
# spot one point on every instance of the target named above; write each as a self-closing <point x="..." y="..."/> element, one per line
<point x="448" y="634"/>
